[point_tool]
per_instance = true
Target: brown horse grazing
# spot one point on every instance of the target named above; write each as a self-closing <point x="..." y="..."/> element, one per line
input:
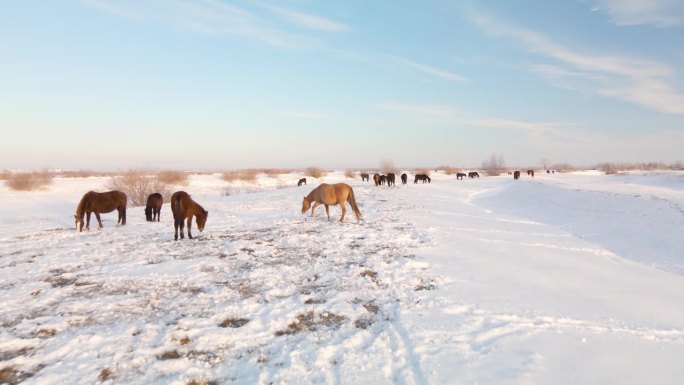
<point x="423" y="177"/>
<point x="516" y="175"/>
<point x="460" y="175"/>
<point x="404" y="178"/>
<point x="390" y="179"/>
<point x="530" y="173"/>
<point x="301" y="182"/>
<point x="365" y="177"/>
<point x="376" y="179"/>
<point x="93" y="202"/>
<point x="335" y="194"/>
<point x="183" y="207"/>
<point x="383" y="179"/>
<point x="473" y="174"/>
<point x="153" y="207"/>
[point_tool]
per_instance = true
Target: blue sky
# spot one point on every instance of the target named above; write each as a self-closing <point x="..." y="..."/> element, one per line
<point x="211" y="84"/>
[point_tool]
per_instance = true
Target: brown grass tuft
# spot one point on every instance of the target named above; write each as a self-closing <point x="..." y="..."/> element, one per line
<point x="105" y="374"/>
<point x="314" y="172"/>
<point x="11" y="376"/>
<point x="185" y="340"/>
<point x="29" y="181"/>
<point x="202" y="382"/>
<point x="178" y="178"/>
<point x="247" y="175"/>
<point x="169" y="355"/>
<point x="233" y="322"/>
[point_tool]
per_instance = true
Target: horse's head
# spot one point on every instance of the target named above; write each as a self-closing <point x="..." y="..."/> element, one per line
<point x="148" y="213"/>
<point x="305" y="205"/>
<point x="78" y="223"/>
<point x="202" y="220"/>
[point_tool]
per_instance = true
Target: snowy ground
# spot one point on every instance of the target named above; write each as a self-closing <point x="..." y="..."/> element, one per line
<point x="561" y="279"/>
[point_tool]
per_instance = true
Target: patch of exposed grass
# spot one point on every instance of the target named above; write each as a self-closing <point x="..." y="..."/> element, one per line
<point x="12" y="376"/>
<point x="309" y="321"/>
<point x="233" y="322"/>
<point x="169" y="355"/>
<point x="105" y="374"/>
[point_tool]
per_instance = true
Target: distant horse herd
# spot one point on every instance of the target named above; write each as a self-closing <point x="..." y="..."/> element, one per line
<point x="184" y="208"/>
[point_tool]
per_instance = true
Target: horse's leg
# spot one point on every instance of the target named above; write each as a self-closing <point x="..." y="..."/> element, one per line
<point x="314" y="208"/>
<point x="123" y="216"/>
<point x="97" y="215"/>
<point x="181" y="225"/>
<point x="344" y="210"/>
<point x="189" y="226"/>
<point x="327" y="212"/>
<point x="175" y="228"/>
<point x="88" y="220"/>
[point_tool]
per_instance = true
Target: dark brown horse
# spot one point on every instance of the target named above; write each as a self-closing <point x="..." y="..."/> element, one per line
<point x="376" y="179"/>
<point x="390" y="179"/>
<point x="365" y="177"/>
<point x="93" y="202"/>
<point x="301" y="182"/>
<point x="153" y="207"/>
<point x="335" y="194"/>
<point x="530" y="173"/>
<point x="473" y="174"/>
<point x="183" y="207"/>
<point x="516" y="175"/>
<point x="460" y="175"/>
<point x="404" y="178"/>
<point x="423" y="177"/>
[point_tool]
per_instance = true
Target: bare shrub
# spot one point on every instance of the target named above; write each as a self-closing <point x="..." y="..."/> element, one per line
<point x="314" y="172"/>
<point x="179" y="178"/>
<point x="350" y="174"/>
<point x="137" y="185"/>
<point x="81" y="174"/>
<point x="29" y="181"/>
<point x="247" y="175"/>
<point x="5" y="174"/>
<point x="387" y="166"/>
<point x="424" y="171"/>
<point x="563" y="167"/>
<point x="448" y="170"/>
<point x="494" y="165"/>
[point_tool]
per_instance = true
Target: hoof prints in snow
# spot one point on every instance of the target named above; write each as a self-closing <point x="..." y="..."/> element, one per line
<point x="224" y="304"/>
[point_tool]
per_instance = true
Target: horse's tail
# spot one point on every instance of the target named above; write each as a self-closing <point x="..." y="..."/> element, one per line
<point x="352" y="202"/>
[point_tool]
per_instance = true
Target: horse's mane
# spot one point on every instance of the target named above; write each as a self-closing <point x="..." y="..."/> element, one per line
<point x="81" y="206"/>
<point x="312" y="195"/>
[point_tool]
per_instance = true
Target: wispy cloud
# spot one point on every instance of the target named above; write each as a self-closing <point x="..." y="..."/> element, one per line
<point x="307" y="20"/>
<point x="642" y="82"/>
<point x="418" y="109"/>
<point x="217" y="18"/>
<point x="660" y="13"/>
<point x="453" y="115"/>
<point x="424" y="68"/>
<point x="302" y="115"/>
<point x="120" y="10"/>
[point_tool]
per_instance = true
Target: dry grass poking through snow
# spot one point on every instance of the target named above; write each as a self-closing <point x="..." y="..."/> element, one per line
<point x="29" y="181"/>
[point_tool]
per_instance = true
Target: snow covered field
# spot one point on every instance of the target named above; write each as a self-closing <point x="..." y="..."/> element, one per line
<point x="560" y="279"/>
